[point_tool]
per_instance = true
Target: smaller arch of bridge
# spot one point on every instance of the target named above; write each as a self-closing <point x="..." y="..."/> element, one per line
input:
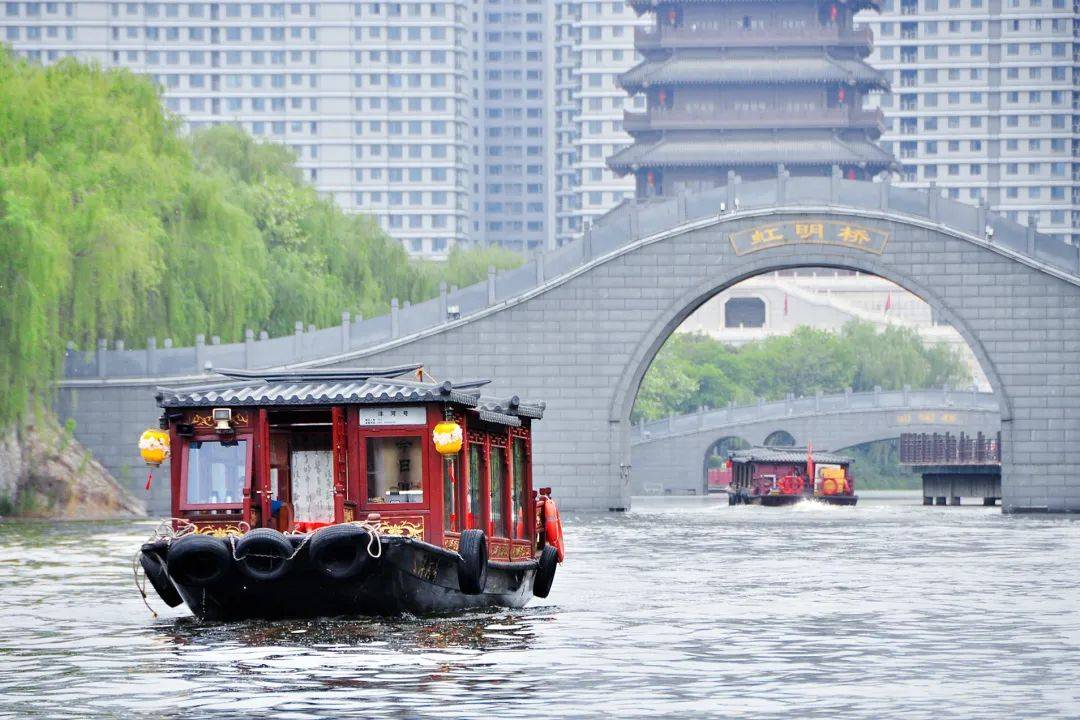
<point x="780" y="438"/>
<point x="674" y="452"/>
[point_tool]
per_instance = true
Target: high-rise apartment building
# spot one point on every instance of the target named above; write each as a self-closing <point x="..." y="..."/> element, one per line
<point x="512" y="159"/>
<point x="372" y="96"/>
<point x="594" y="45"/>
<point x="454" y="121"/>
<point x="985" y="102"/>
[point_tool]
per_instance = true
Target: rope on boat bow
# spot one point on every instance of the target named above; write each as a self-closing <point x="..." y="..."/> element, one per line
<point x="166" y="530"/>
<point x="374" y="541"/>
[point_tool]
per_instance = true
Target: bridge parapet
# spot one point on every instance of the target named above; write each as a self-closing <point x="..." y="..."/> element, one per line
<point x="626" y="224"/>
<point x="734" y="416"/>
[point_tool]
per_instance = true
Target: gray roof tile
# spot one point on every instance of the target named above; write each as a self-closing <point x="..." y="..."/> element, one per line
<point x="784" y="455"/>
<point x="734" y="69"/>
<point x="750" y="148"/>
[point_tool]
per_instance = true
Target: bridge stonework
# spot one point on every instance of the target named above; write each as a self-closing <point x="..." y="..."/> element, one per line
<point x="669" y="455"/>
<point x="583" y="341"/>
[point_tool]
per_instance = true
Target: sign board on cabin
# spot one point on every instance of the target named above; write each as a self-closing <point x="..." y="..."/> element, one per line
<point x="391" y="415"/>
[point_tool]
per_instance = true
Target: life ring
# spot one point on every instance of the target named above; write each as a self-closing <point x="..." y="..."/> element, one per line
<point x="829" y="487"/>
<point x="791" y="485"/>
<point x="553" y="527"/>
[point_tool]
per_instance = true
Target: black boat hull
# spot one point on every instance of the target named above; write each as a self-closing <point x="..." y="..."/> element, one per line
<point x="410" y="576"/>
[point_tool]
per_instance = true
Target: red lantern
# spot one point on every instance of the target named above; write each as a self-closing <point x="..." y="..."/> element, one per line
<point x="650" y="179"/>
<point x="833" y="12"/>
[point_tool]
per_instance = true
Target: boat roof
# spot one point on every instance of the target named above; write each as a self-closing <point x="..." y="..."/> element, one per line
<point x="785" y="455"/>
<point x="345" y="386"/>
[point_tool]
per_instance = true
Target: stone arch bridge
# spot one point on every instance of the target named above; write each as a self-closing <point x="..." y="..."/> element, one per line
<point x="578" y="327"/>
<point x="669" y="455"/>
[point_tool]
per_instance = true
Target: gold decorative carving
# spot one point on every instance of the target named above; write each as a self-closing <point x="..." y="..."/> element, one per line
<point x="452" y="543"/>
<point x="348" y="514"/>
<point x="405" y="527"/>
<point x="220" y="531"/>
<point x="499" y="550"/>
<point x="208" y="420"/>
<point x="520" y="552"/>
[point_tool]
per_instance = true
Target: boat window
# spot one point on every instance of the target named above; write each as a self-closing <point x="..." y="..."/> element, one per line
<point x="476" y="474"/>
<point x="395" y="469"/>
<point x="497" y="521"/>
<point x="450" y="521"/>
<point x="519" y="497"/>
<point x="216" y="472"/>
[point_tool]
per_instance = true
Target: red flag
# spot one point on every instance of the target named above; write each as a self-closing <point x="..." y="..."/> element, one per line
<point x="888" y="302"/>
<point x="785" y="304"/>
<point x="810" y="462"/>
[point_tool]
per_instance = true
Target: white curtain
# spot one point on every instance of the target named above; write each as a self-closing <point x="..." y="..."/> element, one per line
<point x="313" y="485"/>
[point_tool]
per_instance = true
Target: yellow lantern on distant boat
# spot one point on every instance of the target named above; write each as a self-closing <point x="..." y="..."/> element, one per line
<point x="154" y="446"/>
<point x="448" y="438"/>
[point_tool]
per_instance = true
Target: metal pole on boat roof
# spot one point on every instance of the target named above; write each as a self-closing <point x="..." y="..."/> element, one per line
<point x="491" y="285"/>
<point x="442" y="301"/>
<point x="346" y="328"/>
<point x="298" y="341"/>
<point x="200" y="352"/>
<point x="394" y="318"/>
<point x="249" y="347"/>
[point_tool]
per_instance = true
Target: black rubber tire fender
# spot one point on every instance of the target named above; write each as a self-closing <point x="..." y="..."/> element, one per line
<point x="473" y="562"/>
<point x="340" y="551"/>
<point x="263" y="554"/>
<point x="158" y="577"/>
<point x="198" y="560"/>
<point x="545" y="571"/>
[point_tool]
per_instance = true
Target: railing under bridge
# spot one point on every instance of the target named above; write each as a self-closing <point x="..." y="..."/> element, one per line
<point x="941" y="449"/>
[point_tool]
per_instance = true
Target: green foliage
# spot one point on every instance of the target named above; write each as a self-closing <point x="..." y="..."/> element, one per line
<point x="692" y="370"/>
<point x="113" y="225"/>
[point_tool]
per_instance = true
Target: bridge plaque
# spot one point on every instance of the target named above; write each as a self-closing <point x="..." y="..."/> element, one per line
<point x="812" y="232"/>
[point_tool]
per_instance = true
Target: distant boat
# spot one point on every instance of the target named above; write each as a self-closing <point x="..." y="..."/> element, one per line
<point x="784" y="475"/>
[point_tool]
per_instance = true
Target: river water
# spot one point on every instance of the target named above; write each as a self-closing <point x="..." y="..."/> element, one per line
<point x="679" y="608"/>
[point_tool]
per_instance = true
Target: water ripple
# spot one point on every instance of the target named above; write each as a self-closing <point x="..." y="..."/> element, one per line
<point x="680" y="608"/>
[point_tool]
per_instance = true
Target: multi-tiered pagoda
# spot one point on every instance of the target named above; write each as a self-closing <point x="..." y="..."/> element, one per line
<point x="747" y="86"/>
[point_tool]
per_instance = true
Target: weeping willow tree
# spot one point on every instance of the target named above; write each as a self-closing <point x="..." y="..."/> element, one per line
<point x="115" y="225"/>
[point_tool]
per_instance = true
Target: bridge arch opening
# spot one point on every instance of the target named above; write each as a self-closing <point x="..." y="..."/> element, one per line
<point x="715" y="473"/>
<point x="833" y="331"/>
<point x="780" y="438"/>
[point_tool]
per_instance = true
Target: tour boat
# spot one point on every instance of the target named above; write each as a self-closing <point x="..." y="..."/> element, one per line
<point x="345" y="492"/>
<point x="783" y="476"/>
